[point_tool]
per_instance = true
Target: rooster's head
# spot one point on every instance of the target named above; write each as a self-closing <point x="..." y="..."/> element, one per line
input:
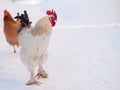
<point x="53" y="18"/>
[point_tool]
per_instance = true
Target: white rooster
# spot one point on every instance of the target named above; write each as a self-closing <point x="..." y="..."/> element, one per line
<point x="34" y="43"/>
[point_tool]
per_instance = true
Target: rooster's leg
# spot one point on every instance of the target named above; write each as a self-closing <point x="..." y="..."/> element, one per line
<point x="41" y="71"/>
<point x="32" y="78"/>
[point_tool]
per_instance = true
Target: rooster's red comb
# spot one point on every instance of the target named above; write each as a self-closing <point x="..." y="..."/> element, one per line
<point x="52" y="13"/>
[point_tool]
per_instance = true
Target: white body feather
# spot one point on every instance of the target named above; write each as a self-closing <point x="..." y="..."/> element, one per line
<point x="34" y="44"/>
<point x="33" y="48"/>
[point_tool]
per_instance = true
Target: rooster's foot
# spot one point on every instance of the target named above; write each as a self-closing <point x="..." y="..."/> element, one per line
<point x="38" y="76"/>
<point x="43" y="75"/>
<point x="34" y="83"/>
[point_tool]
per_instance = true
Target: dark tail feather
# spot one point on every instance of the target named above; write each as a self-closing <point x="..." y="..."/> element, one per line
<point x="24" y="18"/>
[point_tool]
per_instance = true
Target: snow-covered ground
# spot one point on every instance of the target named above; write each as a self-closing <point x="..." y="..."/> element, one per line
<point x="79" y="59"/>
<point x="84" y="51"/>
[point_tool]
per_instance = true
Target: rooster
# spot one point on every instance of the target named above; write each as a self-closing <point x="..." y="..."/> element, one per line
<point x="34" y="43"/>
<point x="10" y="29"/>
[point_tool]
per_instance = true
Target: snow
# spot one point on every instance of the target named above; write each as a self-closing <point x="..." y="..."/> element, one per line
<point x="84" y="50"/>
